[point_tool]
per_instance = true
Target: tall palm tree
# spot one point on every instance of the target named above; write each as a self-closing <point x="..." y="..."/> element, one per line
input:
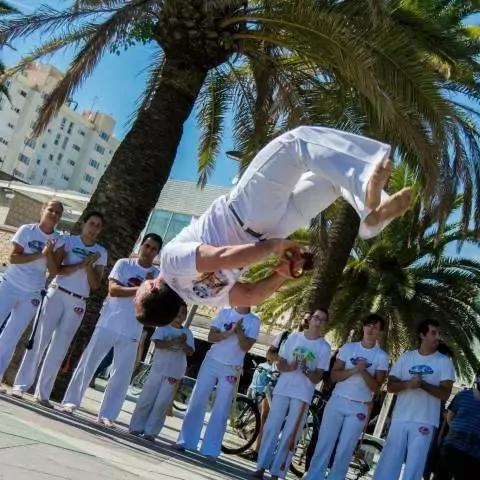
<point x="5" y="9"/>
<point x="309" y="45"/>
<point x="405" y="278"/>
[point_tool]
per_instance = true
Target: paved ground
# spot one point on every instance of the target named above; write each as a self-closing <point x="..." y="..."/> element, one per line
<point x="38" y="443"/>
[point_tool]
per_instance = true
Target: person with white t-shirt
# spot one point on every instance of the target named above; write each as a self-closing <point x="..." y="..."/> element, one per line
<point x="360" y="369"/>
<point x="421" y="379"/>
<point x="37" y="248"/>
<point x="289" y="182"/>
<point x="81" y="269"/>
<point x="303" y="359"/>
<point x="233" y="333"/>
<point x="117" y="328"/>
<point x="173" y="344"/>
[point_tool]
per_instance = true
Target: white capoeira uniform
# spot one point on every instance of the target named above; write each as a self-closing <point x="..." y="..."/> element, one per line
<point x="346" y="413"/>
<point x="168" y="367"/>
<point x="117" y="327"/>
<point x="20" y="289"/>
<point x="221" y="367"/>
<point x="288" y="183"/>
<point x="292" y="393"/>
<point x="415" y="416"/>
<point x="62" y="314"/>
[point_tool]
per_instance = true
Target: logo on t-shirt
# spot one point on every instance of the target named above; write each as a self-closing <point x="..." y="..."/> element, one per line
<point x="36" y="245"/>
<point x="361" y="416"/>
<point x="231" y="378"/>
<point x="424" y="430"/>
<point x="302" y="353"/>
<point x="355" y="361"/>
<point x="81" y="252"/>
<point x="228" y="326"/>
<point x="420" y="370"/>
<point x="134" y="281"/>
<point x="209" y="284"/>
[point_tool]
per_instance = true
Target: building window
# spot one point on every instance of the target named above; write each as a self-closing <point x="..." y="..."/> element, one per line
<point x="84" y="191"/>
<point x="44" y="145"/>
<point x="88" y="178"/>
<point x="81" y="132"/>
<point x="93" y="163"/>
<point x="10" y="125"/>
<point x="64" y="177"/>
<point x="50" y="157"/>
<point x="16" y="173"/>
<point x="23" y="93"/>
<point x="44" y="96"/>
<point x="24" y="159"/>
<point x="71" y="162"/>
<point x="69" y="131"/>
<point x="76" y="147"/>
<point x="38" y="161"/>
<point x="57" y="139"/>
<point x="99" y="149"/>
<point x="64" y="144"/>
<point x="45" y="171"/>
<point x="16" y="110"/>
<point x="104" y="136"/>
<point x="59" y="158"/>
<point x="2" y="140"/>
<point x="62" y="123"/>
<point x="38" y="108"/>
<point x="29" y="142"/>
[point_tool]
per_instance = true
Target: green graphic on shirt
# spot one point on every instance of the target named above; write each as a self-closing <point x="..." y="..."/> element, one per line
<point x="81" y="252"/>
<point x="303" y="353"/>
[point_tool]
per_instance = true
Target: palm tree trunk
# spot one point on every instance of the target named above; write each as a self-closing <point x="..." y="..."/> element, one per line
<point x="329" y="268"/>
<point x="131" y="185"/>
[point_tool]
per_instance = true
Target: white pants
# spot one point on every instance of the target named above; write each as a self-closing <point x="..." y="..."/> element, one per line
<point x="60" y="319"/>
<point x="275" y="454"/>
<point x="211" y="373"/>
<point x="124" y="355"/>
<point x="410" y="438"/>
<point x="152" y="406"/>
<point x="21" y="306"/>
<point x="342" y="419"/>
<point x="302" y="172"/>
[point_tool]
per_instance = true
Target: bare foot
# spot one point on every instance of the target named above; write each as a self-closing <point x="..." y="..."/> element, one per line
<point x="258" y="473"/>
<point x="377" y="183"/>
<point x="391" y="208"/>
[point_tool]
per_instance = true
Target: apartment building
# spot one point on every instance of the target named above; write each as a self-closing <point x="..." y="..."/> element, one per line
<point x="73" y="151"/>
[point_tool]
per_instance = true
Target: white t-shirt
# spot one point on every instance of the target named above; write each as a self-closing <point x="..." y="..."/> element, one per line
<point x="416" y="405"/>
<point x="217" y="227"/>
<point x="118" y="313"/>
<point x="317" y="354"/>
<point x="75" y="252"/>
<point x="228" y="351"/>
<point x="355" y="387"/>
<point x="31" y="277"/>
<point x="171" y="362"/>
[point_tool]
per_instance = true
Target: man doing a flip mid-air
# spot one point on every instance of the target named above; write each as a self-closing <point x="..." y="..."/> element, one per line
<point x="289" y="182"/>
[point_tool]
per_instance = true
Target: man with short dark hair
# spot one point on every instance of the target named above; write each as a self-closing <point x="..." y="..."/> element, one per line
<point x="290" y="181"/>
<point x="117" y="327"/>
<point x="421" y="379"/>
<point x="360" y="369"/>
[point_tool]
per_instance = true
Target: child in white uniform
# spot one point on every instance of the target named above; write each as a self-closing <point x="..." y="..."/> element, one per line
<point x="303" y="358"/>
<point x="36" y="249"/>
<point x="360" y="369"/>
<point x="173" y="344"/>
<point x="117" y="328"/>
<point x="82" y="269"/>
<point x="421" y="379"/>
<point x="233" y="333"/>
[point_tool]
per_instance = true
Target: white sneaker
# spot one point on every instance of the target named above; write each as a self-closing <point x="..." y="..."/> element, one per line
<point x="16" y="392"/>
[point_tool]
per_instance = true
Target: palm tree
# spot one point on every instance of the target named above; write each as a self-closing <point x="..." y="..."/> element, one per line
<point x="405" y="278"/>
<point x="291" y="47"/>
<point x="5" y="9"/>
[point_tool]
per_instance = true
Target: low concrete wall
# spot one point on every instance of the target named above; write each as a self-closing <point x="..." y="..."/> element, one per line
<point x="6" y="234"/>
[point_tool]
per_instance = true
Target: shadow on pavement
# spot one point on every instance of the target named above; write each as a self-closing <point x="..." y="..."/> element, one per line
<point x="162" y="447"/>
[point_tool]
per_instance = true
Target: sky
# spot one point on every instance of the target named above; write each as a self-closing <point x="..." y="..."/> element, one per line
<point x="114" y="88"/>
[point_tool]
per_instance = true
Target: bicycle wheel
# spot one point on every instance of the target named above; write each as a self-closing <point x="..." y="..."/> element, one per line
<point x="310" y="431"/>
<point x="243" y="426"/>
<point x="183" y="394"/>
<point x="365" y="461"/>
<point x="138" y="381"/>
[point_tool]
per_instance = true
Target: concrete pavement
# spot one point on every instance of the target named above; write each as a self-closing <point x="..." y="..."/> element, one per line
<point x="41" y="443"/>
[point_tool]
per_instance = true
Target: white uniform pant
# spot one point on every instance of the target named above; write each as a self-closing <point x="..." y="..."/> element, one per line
<point x="60" y="319"/>
<point x="21" y="306"/>
<point x="410" y="438"/>
<point x="344" y="420"/>
<point x="155" y="400"/>
<point x="224" y="377"/>
<point x="124" y="355"/>
<point x="275" y="454"/>
<point x="301" y="173"/>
